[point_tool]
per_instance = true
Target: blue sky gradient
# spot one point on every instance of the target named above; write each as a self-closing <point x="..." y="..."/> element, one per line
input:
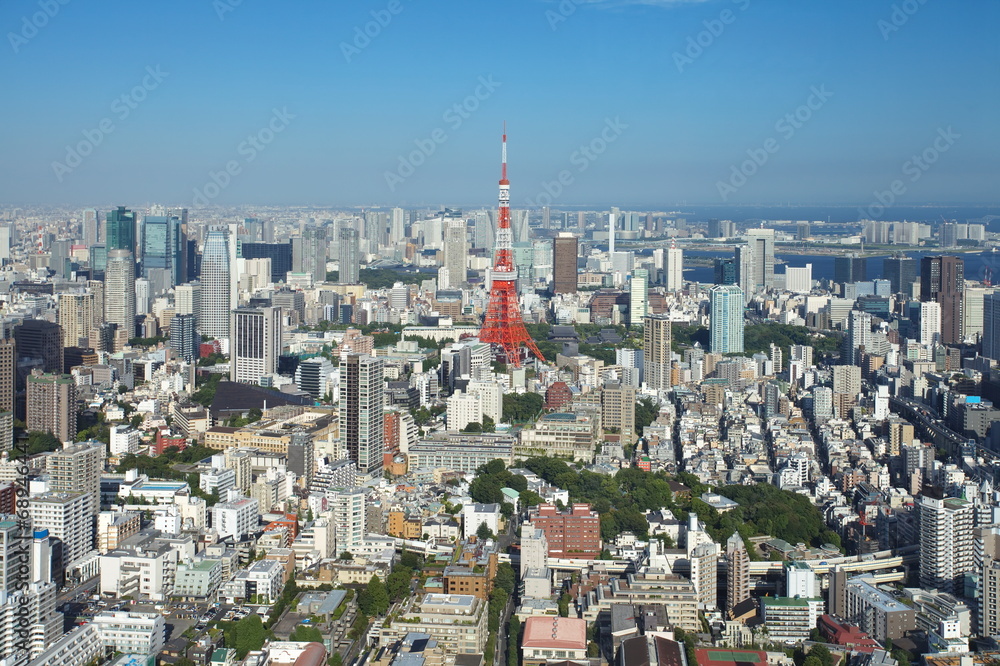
<point x="557" y="79"/>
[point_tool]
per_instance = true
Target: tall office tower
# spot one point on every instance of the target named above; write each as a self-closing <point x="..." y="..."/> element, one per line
<point x="726" y="319"/>
<point x="503" y="325"/>
<point x="162" y="251"/>
<point x="349" y="257"/>
<point x="120" y="232"/>
<point x="972" y="312"/>
<point x="520" y="231"/>
<point x="761" y="242"/>
<point x="738" y="572"/>
<point x="618" y="410"/>
<point x="397" y="226"/>
<point x="91" y="227"/>
<point x="98" y="261"/>
<point x="119" y="293"/>
<point x="948" y="234"/>
<point x="76" y="317"/>
<point x="313" y="376"/>
<point x="77" y="468"/>
<point x="5" y="231"/>
<point x="455" y="250"/>
<point x="674" y="269"/>
<point x="581" y="221"/>
<point x="256" y="344"/>
<point x="39" y="345"/>
<point x="546" y="218"/>
<point x="309" y="253"/>
<point x="280" y="255"/>
<point x="612" y="228"/>
<point x="187" y="301"/>
<point x="215" y="284"/>
<point x="901" y="272"/>
<point x="850" y="268"/>
<point x="8" y="374"/>
<point x="564" y="271"/>
<point x="798" y="279"/>
<point x="185" y="343"/>
<point x="745" y="269"/>
<point x="51" y="405"/>
<point x="657" y="338"/>
<point x="638" y="296"/>
<point x="725" y="271"/>
<point x="376" y="224"/>
<point x="946" y="543"/>
<point x="482" y="231"/>
<point x="991" y="326"/>
<point x="361" y="411"/>
<point x="942" y="279"/>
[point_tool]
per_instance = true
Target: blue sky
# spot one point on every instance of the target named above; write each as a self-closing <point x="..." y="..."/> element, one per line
<point x="675" y="122"/>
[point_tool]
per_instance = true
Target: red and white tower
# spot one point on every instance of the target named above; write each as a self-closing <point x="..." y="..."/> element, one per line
<point x="503" y="326"/>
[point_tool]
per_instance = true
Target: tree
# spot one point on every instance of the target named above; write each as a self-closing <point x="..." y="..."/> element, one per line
<point x="374" y="599"/>
<point x="489" y="425"/>
<point x="397" y="583"/>
<point x="530" y="498"/>
<point x="505" y="579"/>
<point x="335" y="660"/>
<point x="475" y="426"/>
<point x="360" y="625"/>
<point x="246" y="635"/>
<point x="822" y="653"/>
<point x="506" y="509"/>
<point x="305" y="633"/>
<point x="347" y="556"/>
<point x="564" y="601"/>
<point x="484" y="531"/>
<point x="812" y="661"/>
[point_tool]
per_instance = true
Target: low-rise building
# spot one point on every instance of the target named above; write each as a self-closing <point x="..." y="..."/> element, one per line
<point x="199" y="579"/>
<point x="457" y="622"/>
<point x="555" y="639"/>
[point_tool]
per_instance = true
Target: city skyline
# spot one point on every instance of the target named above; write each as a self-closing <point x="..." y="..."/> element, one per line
<point x="303" y="107"/>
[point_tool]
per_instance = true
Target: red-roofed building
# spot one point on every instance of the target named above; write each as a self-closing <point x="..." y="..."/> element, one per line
<point x="841" y="633"/>
<point x="290" y="522"/>
<point x="553" y="638"/>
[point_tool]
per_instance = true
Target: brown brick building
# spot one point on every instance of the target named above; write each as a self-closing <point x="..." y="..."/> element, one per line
<point x="574" y="533"/>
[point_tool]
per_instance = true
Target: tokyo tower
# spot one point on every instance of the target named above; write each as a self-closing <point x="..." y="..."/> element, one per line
<point x="503" y="326"/>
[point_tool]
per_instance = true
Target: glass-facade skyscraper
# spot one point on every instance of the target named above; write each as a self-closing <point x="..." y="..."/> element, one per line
<point x="215" y="284"/>
<point x="726" y="322"/>
<point x="161" y="248"/>
<point x="120" y="230"/>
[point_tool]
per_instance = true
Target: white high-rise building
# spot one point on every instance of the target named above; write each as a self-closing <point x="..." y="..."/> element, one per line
<point x="119" y="293"/>
<point x="946" y="543"/>
<point x="930" y="323"/>
<point x="397" y="227"/>
<point x="761" y="242"/>
<point x="798" y="279"/>
<point x="348" y="508"/>
<point x="143" y="296"/>
<point x="187" y="299"/>
<point x="463" y="409"/>
<point x="490" y="398"/>
<point x="456" y="252"/>
<point x="216" y="285"/>
<point x="674" y="269"/>
<point x="255" y="345"/>
<point x="67" y="517"/>
<point x="639" y="296"/>
<point x="235" y="518"/>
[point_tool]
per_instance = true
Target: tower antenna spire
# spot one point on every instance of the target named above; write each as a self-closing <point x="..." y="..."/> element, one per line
<point x="503" y="326"/>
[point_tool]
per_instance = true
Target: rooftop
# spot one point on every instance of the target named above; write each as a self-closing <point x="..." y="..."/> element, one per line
<point x="566" y="633"/>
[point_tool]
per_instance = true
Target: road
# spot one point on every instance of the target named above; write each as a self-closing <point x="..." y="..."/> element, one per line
<point x="86" y="587"/>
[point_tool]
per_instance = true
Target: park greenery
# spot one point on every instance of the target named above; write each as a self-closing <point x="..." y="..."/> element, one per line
<point x="206" y="387"/>
<point x="621" y="500"/>
<point x="382" y="278"/>
<point x="37" y="442"/>
<point x="759" y="339"/>
<point x="522" y="407"/>
<point x="163" y="467"/>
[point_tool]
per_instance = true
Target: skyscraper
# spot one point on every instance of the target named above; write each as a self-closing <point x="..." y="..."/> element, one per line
<point x="946" y="543"/>
<point x="564" y="271"/>
<point x="942" y="279"/>
<point x="726" y="319"/>
<point x="738" y="574"/>
<point x="930" y="323"/>
<point x="90" y="227"/>
<point x="991" y="326"/>
<point x="761" y="242"/>
<point x="901" y="272"/>
<point x="725" y="271"/>
<point x="397" y="226"/>
<point x="162" y="251"/>
<point x="255" y="345"/>
<point x="280" y="255"/>
<point x="8" y="365"/>
<point x="215" y="284"/>
<point x="361" y="411"/>
<point x="349" y="260"/>
<point x="850" y="268"/>
<point x="455" y="250"/>
<point x="51" y="404"/>
<point x="39" y="346"/>
<point x="119" y="295"/>
<point x="309" y="253"/>
<point x="187" y="300"/>
<point x="675" y="269"/>
<point x="76" y="317"/>
<point x="657" y="338"/>
<point x="185" y="344"/>
<point x="638" y="295"/>
<point x="120" y="231"/>
<point x="77" y="468"/>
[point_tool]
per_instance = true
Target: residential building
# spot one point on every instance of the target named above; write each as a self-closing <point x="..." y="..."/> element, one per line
<point x="574" y="533"/>
<point x="119" y="292"/>
<point x="942" y="280"/>
<point x="657" y="338"/>
<point x="946" y="543"/>
<point x="565" y="249"/>
<point x="877" y="613"/>
<point x="726" y="303"/>
<point x="235" y="518"/>
<point x="362" y="400"/>
<point x="51" y="405"/>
